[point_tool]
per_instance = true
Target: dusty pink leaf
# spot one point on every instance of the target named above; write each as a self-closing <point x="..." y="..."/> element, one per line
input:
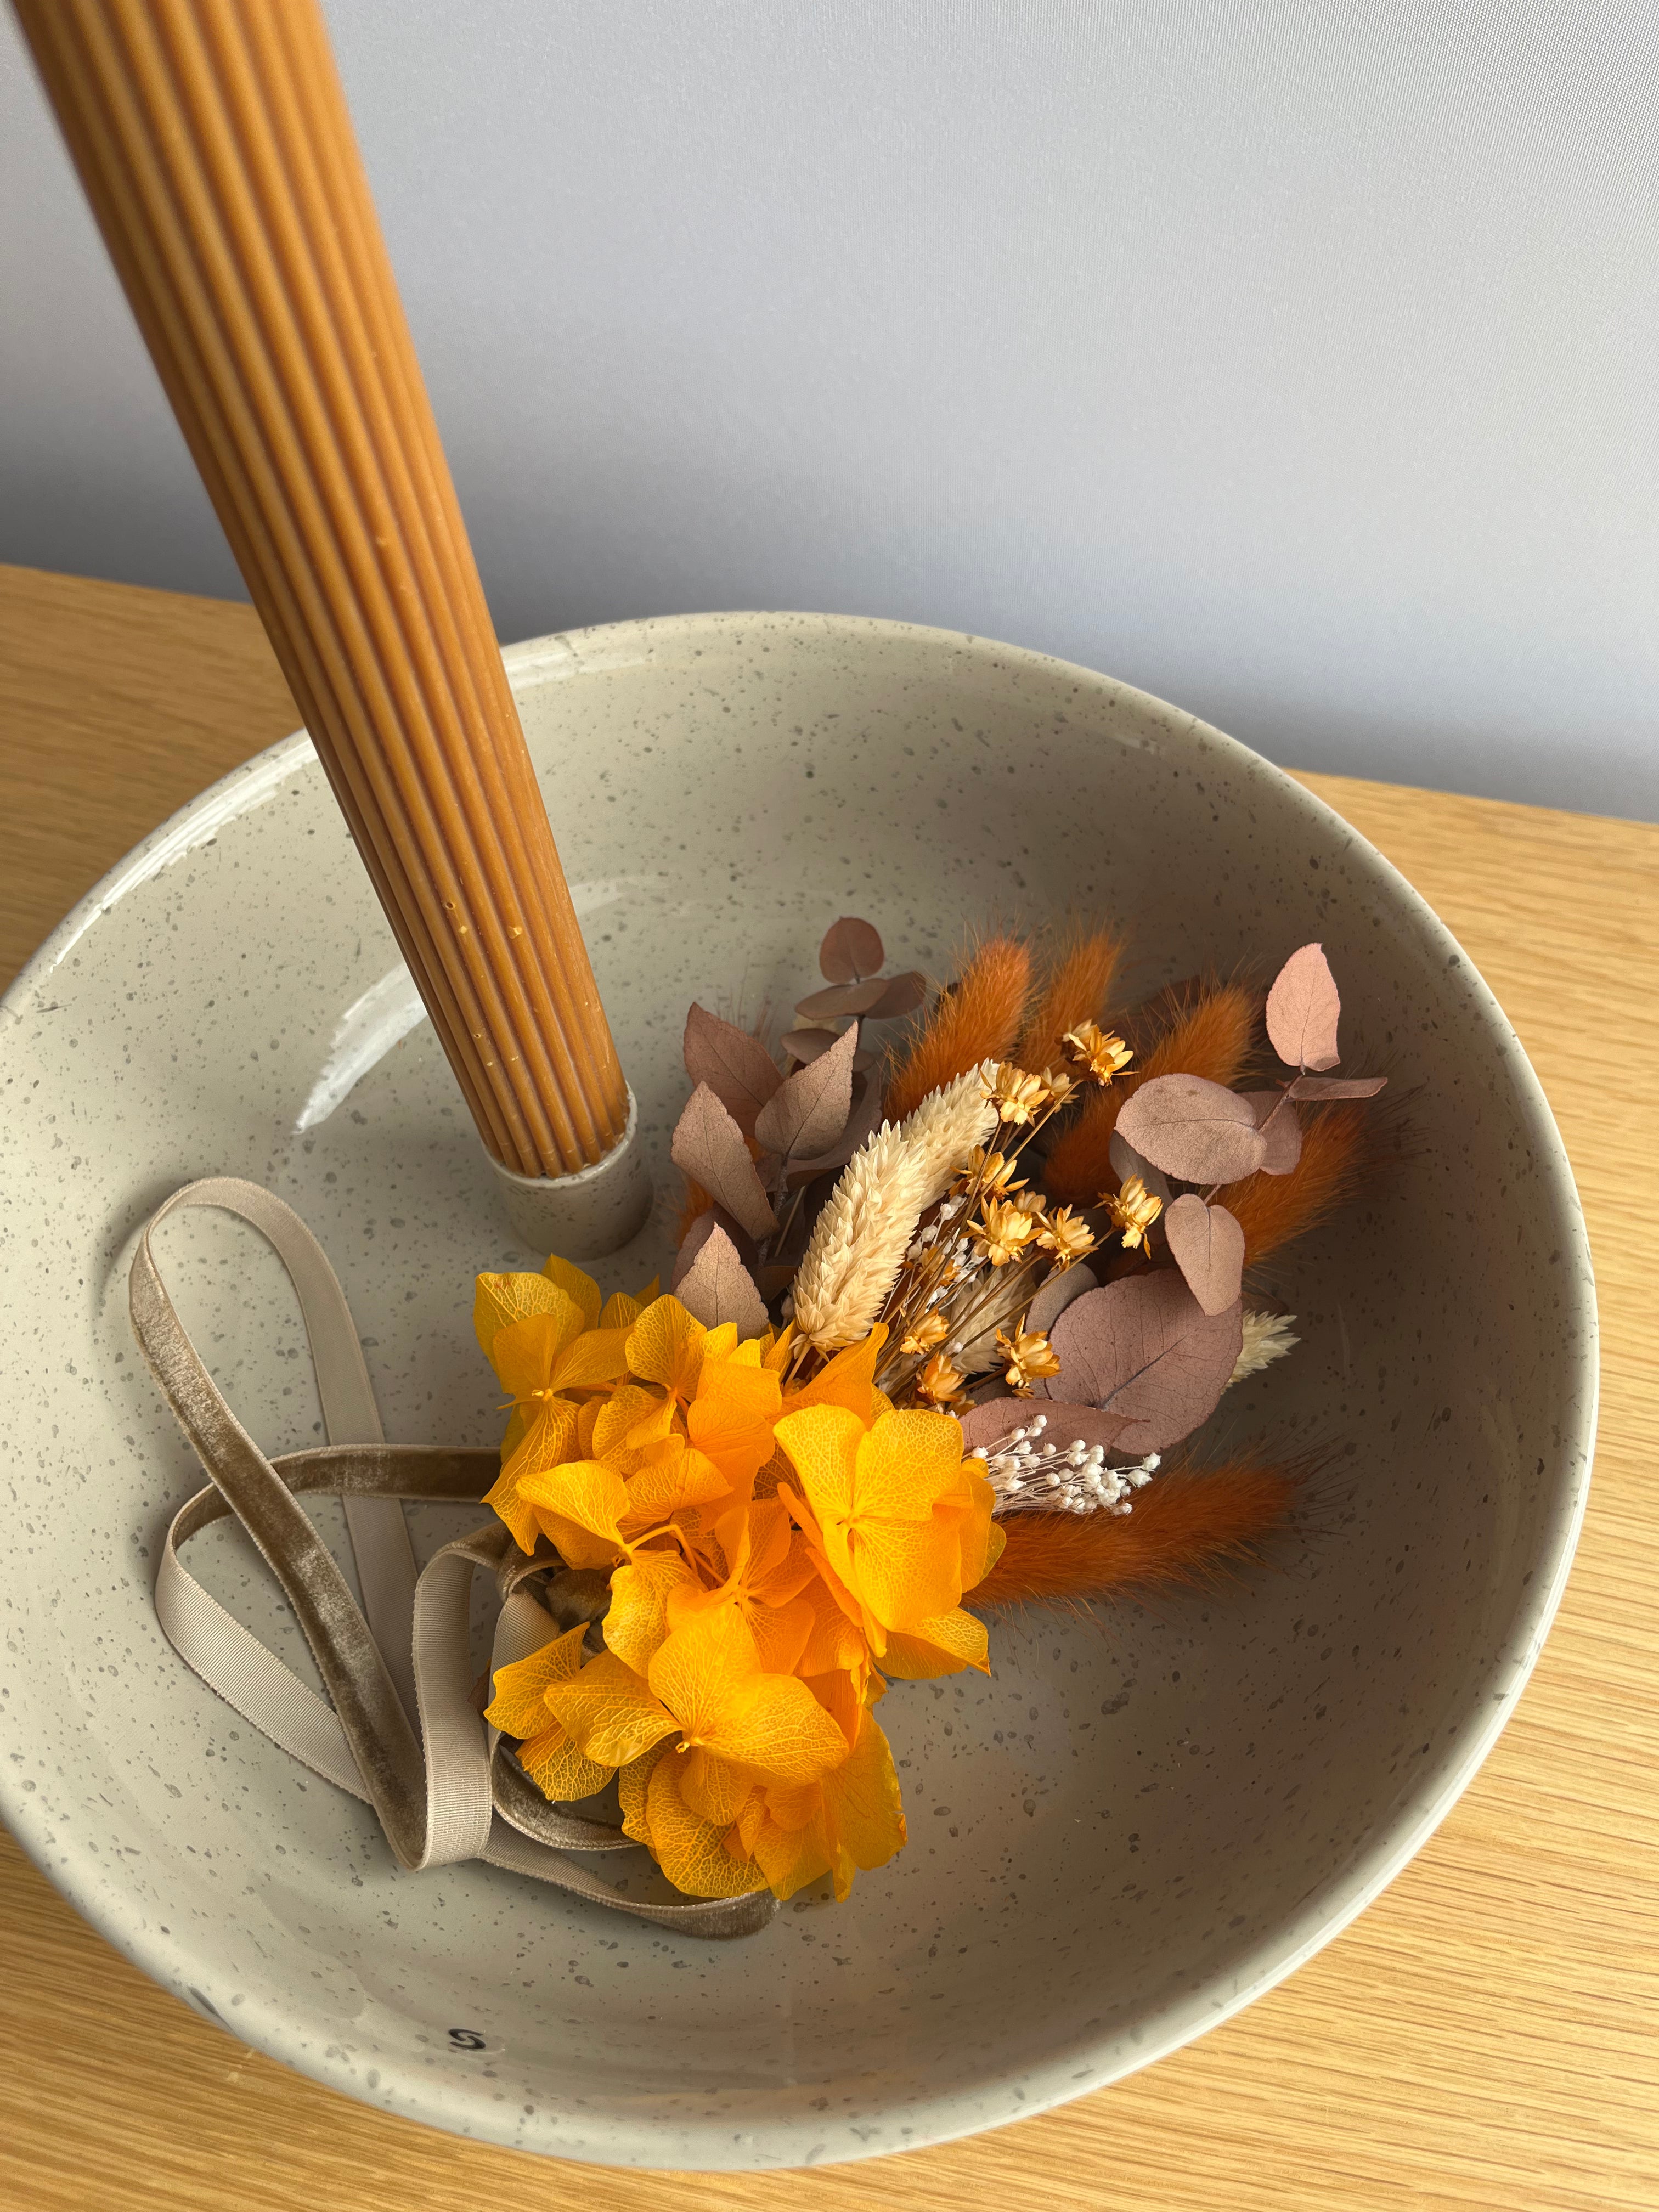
<point x="1058" y="1291"/>
<point x="711" y="1219"/>
<point x="1303" y="1007"/>
<point x="1337" y="1086"/>
<point x="902" y="995"/>
<point x="987" y="1423"/>
<point x="851" y="950"/>
<point x="1207" y="1245"/>
<point x="1126" y="1161"/>
<point x="863" y="1122"/>
<point x="691" y="1243"/>
<point x="717" y="1287"/>
<point x="805" y="1045"/>
<point x="1144" y="1351"/>
<point x="1193" y="1128"/>
<point x="708" y="1146"/>
<point x="739" y="1071"/>
<point x="1277" y="1122"/>
<point x="839" y="999"/>
<point x="806" y="1114"/>
<point x="1064" y="1424"/>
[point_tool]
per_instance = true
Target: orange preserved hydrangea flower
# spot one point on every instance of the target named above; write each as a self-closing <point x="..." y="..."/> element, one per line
<point x="775" y="1549"/>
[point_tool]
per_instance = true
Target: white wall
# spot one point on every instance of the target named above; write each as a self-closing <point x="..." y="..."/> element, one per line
<point x="1294" y="361"/>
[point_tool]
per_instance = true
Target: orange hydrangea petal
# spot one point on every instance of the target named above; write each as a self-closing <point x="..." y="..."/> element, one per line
<point x="714" y="1790"/>
<point x="741" y="1842"/>
<point x="778" y="1727"/>
<point x="558" y="1770"/>
<point x="498" y="1301"/>
<point x="905" y="1464"/>
<point x="598" y="1356"/>
<point x="690" y="1851"/>
<point x="580" y="1505"/>
<point x="637" y="1625"/>
<point x="503" y="1499"/>
<point x="547" y="1436"/>
<point x="674" y="1478"/>
<point x="732" y="1417"/>
<point x="791" y="1858"/>
<point x="849" y="1379"/>
<point x="838" y="1692"/>
<point x="525" y="1353"/>
<point x="708" y="1658"/>
<point x="622" y="1312"/>
<point x="631" y="1422"/>
<point x="903" y="1571"/>
<point x="610" y="1711"/>
<point x="837" y="1641"/>
<point x="633" y="1785"/>
<point x="582" y="1290"/>
<point x="666" y="1346"/>
<point x="931" y="1647"/>
<point x="781" y="1561"/>
<point x="862" y="1812"/>
<point x="822" y="1443"/>
<point x="519" y="1707"/>
<point x="782" y="1633"/>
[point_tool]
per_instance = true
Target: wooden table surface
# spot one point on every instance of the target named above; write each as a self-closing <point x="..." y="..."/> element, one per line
<point x="1485" y="2035"/>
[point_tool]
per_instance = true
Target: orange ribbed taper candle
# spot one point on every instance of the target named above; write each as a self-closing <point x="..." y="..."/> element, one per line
<point x="214" y="142"/>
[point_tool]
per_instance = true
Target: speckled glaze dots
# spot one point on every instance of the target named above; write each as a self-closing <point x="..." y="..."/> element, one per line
<point x="1120" y="1837"/>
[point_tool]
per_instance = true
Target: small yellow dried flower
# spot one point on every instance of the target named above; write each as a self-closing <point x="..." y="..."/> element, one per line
<point x="1027" y="1357"/>
<point x="941" y="1379"/>
<point x="1017" y="1097"/>
<point x="1065" y="1235"/>
<point x="930" y="1330"/>
<point x="1062" y="1084"/>
<point x="1101" y="1051"/>
<point x="1031" y="1201"/>
<point x="992" y="1173"/>
<point x="1002" y="1232"/>
<point x="1133" y="1209"/>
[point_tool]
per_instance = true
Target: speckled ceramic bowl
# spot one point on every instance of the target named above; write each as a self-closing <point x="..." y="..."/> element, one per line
<point x="1117" y="1840"/>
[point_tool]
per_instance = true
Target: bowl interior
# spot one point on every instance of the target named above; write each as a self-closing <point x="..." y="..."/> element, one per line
<point x="1131" y="1827"/>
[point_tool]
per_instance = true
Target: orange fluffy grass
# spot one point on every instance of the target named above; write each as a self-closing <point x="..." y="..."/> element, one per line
<point x="1189" y="1527"/>
<point x="978" y="1020"/>
<point x="1077" y="988"/>
<point x="1335" y="1157"/>
<point x="1210" y="1037"/>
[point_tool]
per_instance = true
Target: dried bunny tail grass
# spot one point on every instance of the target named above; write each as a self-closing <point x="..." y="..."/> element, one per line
<point x="1337" y="1155"/>
<point x="1210" y="1036"/>
<point x="977" y="1020"/>
<point x="1189" y="1526"/>
<point x="1077" y="988"/>
<point x="1266" y="1337"/>
<point x="949" y="1125"/>
<point x="859" y="1241"/>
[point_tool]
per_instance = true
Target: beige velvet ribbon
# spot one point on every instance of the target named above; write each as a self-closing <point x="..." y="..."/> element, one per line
<point x="399" y="1727"/>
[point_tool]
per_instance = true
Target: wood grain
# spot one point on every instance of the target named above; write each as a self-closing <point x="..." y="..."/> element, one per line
<point x="1484" y="2035"/>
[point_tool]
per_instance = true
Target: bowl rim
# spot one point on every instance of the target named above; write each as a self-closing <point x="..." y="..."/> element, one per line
<point x="1082" y="2064"/>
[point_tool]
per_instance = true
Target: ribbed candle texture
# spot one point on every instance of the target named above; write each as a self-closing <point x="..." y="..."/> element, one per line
<point x="214" y="142"/>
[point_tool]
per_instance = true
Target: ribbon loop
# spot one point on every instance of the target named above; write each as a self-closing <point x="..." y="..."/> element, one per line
<point x="454" y="1792"/>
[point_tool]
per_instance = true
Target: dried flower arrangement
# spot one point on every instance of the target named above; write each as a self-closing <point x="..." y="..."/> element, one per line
<point x="939" y="1314"/>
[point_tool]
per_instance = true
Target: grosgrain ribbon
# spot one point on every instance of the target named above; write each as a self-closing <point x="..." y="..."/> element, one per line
<point x="399" y="1729"/>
